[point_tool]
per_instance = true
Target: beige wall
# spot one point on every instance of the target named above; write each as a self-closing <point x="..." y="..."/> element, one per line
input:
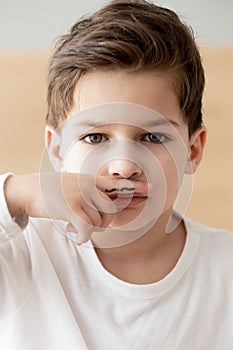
<point x="23" y="107"/>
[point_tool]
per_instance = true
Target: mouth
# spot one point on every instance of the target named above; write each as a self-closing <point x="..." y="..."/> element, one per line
<point x="127" y="200"/>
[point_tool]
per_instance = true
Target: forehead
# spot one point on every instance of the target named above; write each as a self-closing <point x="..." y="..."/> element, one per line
<point x="152" y="90"/>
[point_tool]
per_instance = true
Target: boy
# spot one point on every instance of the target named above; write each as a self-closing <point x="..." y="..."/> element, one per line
<point x="115" y="278"/>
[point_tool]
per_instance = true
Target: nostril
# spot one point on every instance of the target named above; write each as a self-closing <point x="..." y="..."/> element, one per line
<point x="124" y="169"/>
<point x="135" y="174"/>
<point x="125" y="175"/>
<point x="116" y="174"/>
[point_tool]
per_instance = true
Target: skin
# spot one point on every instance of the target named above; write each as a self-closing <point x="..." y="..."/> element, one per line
<point x="151" y="257"/>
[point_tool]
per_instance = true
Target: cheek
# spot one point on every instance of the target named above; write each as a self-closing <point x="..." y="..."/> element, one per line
<point x="172" y="178"/>
<point x="74" y="159"/>
<point x="173" y="166"/>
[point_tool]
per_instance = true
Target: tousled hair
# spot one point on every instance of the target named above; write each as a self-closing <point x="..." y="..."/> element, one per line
<point x="130" y="35"/>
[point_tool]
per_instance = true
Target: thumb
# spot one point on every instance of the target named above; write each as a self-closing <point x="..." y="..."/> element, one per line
<point x="79" y="232"/>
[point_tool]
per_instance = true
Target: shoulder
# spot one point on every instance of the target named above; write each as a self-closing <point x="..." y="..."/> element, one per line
<point x="214" y="242"/>
<point x="196" y="226"/>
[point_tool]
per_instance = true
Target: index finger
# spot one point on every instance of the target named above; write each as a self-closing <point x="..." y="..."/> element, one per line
<point x="109" y="185"/>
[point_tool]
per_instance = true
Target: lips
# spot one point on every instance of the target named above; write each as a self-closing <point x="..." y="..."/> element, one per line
<point x="127" y="200"/>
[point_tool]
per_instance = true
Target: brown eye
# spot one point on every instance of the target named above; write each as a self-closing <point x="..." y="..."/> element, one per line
<point x="94" y="138"/>
<point x="155" y="138"/>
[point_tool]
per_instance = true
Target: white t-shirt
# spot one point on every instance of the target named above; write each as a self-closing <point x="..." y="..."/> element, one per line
<point x="55" y="295"/>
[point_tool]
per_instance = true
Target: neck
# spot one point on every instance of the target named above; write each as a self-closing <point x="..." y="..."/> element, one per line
<point x="154" y="248"/>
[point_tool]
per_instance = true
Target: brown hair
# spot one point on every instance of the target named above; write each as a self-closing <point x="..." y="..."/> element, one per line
<point x="132" y="35"/>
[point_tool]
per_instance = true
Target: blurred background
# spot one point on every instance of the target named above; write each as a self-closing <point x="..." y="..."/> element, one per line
<point x="28" y="30"/>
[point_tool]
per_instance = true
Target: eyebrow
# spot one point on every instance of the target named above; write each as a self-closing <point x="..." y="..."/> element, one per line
<point x="163" y="122"/>
<point x="152" y="123"/>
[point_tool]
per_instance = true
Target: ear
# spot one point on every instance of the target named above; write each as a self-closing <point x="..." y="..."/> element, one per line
<point x="53" y="145"/>
<point x="196" y="147"/>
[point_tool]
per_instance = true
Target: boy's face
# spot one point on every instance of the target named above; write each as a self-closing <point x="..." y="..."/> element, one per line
<point x="167" y="146"/>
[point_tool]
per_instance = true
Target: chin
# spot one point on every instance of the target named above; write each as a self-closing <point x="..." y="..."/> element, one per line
<point x="126" y="217"/>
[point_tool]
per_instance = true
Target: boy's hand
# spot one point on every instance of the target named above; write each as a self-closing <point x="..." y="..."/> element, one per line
<point x="79" y="199"/>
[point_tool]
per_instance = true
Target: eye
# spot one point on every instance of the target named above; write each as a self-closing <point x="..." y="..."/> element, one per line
<point x="155" y="138"/>
<point x="94" y="138"/>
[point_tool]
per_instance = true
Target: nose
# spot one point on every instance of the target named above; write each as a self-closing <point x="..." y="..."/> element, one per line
<point x="122" y="168"/>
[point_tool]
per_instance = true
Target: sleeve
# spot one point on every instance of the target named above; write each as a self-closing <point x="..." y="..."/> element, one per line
<point x="8" y="227"/>
<point x="15" y="262"/>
